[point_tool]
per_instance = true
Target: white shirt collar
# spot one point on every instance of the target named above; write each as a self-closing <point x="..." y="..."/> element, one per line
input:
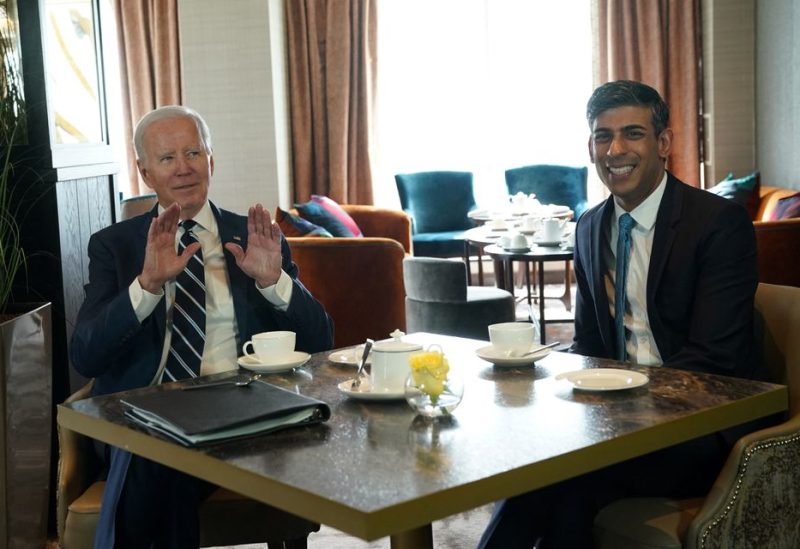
<point x="645" y="213"/>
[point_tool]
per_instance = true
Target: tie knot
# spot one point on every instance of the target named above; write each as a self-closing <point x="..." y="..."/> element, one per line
<point x="189" y="224"/>
<point x="626" y="223"/>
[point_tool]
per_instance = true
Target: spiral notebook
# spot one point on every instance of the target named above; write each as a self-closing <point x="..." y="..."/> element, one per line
<point x="225" y="412"/>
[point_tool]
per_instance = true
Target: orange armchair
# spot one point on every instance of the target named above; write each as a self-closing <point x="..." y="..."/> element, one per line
<point x="359" y="280"/>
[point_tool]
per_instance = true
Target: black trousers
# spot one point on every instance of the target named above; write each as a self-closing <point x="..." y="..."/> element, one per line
<point x="158" y="507"/>
<point x="561" y="515"/>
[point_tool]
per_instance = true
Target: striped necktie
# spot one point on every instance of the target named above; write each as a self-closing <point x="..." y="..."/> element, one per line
<point x="626" y="223"/>
<point x="188" y="313"/>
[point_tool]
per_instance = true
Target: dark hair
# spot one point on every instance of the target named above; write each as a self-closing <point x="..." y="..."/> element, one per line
<point x="626" y="93"/>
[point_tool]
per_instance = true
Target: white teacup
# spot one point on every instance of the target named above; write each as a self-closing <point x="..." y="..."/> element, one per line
<point x="512" y="337"/>
<point x="497" y="224"/>
<point x="505" y="241"/>
<point x="270" y="347"/>
<point x="529" y="223"/>
<point x="517" y="241"/>
<point x="552" y="229"/>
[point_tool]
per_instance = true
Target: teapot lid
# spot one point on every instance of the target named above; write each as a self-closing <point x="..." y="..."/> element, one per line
<point x="396" y="344"/>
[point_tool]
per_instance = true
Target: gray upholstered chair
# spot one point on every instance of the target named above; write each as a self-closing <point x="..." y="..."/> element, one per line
<point x="755" y="500"/>
<point x="439" y="301"/>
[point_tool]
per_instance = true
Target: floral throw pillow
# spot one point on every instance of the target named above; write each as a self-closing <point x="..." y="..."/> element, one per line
<point x="292" y="225"/>
<point x="326" y="213"/>
<point x="744" y="191"/>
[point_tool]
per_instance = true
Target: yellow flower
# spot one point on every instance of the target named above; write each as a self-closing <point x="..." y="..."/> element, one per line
<point x="429" y="372"/>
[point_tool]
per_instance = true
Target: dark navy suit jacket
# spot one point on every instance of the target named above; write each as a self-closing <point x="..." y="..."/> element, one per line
<point x="110" y="345"/>
<point x="700" y="288"/>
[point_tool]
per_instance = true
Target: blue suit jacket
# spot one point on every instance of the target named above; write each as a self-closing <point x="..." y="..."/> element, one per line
<point x="110" y="345"/>
<point x="700" y="288"/>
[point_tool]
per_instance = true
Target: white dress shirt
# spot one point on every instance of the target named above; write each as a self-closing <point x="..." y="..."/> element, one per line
<point x="640" y="345"/>
<point x="220" y="351"/>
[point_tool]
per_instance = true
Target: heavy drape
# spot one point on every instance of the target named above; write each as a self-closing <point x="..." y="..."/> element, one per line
<point x="149" y="65"/>
<point x="331" y="50"/>
<point x="657" y="42"/>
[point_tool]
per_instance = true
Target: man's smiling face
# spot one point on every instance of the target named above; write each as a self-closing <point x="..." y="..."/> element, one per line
<point x="627" y="153"/>
<point x="176" y="164"/>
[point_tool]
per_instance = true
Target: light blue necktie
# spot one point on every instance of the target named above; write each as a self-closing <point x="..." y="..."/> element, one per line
<point x="626" y="223"/>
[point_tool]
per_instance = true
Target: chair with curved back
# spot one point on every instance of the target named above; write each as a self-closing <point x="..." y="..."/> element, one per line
<point x="562" y="185"/>
<point x="553" y="184"/>
<point x="226" y="518"/>
<point x="439" y="301"/>
<point x="755" y="500"/>
<point x="438" y="203"/>
<point x="136" y="205"/>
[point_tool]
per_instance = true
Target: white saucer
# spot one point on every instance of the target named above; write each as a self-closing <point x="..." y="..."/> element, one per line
<point x="566" y="248"/>
<point x="349" y="356"/>
<point x="526" y="231"/>
<point x="297" y="358"/>
<point x="517" y="250"/>
<point x="547" y="243"/>
<point x="604" y="379"/>
<point x="499" y="358"/>
<point x="364" y="392"/>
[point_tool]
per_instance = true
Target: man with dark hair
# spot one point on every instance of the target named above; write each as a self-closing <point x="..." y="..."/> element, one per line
<point x="666" y="274"/>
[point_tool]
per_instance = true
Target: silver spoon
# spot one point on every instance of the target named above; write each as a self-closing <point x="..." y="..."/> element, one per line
<point x="237" y="383"/>
<point x="357" y="380"/>
<point x="513" y="354"/>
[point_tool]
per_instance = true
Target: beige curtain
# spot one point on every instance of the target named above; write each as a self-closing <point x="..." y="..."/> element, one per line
<point x="149" y="65"/>
<point x="331" y="50"/>
<point x="657" y="42"/>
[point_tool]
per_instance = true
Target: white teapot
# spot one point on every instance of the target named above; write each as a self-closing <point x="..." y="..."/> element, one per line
<point x="390" y="363"/>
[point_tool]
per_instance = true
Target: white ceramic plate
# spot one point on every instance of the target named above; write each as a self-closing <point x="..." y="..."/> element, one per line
<point x="298" y="358"/>
<point x="526" y="231"/>
<point x="350" y="356"/>
<point x="517" y="250"/>
<point x="566" y="247"/>
<point x="498" y="358"/>
<point x="604" y="379"/>
<point x="546" y="243"/>
<point x="364" y="392"/>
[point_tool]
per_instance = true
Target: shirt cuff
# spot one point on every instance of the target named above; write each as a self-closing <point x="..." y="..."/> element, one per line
<point x="280" y="293"/>
<point x="143" y="302"/>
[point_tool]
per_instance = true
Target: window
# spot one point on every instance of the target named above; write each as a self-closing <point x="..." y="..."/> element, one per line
<point x="480" y="86"/>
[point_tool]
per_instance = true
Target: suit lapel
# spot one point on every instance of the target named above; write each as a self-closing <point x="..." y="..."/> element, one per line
<point x="598" y="270"/>
<point x="231" y="229"/>
<point x="669" y="214"/>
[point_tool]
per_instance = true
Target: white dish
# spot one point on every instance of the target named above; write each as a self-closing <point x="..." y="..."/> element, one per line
<point x="349" y="357"/>
<point x="517" y="250"/>
<point x="526" y="231"/>
<point x="297" y="358"/>
<point x="499" y="358"/>
<point x="604" y="379"/>
<point x="566" y="247"/>
<point x="546" y="243"/>
<point x="364" y="392"/>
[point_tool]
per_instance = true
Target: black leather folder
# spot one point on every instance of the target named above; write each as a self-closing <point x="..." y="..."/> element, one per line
<point x="223" y="412"/>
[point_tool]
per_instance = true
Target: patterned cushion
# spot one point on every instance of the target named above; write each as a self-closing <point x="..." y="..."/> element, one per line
<point x="787" y="208"/>
<point x="292" y="225"/>
<point x="744" y="191"/>
<point x="327" y="213"/>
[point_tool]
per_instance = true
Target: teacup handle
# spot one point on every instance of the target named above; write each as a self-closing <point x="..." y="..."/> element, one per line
<point x="244" y="349"/>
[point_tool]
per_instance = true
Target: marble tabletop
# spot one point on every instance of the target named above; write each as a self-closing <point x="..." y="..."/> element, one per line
<point x="376" y="469"/>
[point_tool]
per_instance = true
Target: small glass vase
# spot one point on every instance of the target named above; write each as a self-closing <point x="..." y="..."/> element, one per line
<point x="428" y="405"/>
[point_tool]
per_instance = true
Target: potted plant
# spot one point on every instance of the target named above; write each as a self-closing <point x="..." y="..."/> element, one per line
<point x="25" y="332"/>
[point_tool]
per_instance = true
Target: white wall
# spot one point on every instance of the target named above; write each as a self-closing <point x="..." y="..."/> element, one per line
<point x="233" y="69"/>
